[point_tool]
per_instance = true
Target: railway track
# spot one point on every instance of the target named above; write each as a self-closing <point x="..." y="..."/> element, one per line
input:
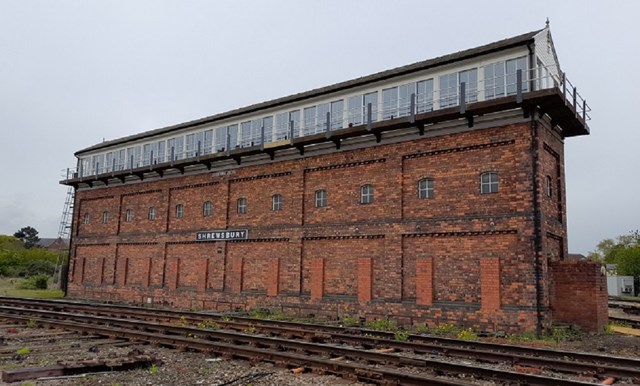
<point x="370" y="356"/>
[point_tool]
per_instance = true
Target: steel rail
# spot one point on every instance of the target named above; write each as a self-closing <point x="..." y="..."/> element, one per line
<point x="183" y="337"/>
<point x="560" y="360"/>
<point x="363" y="372"/>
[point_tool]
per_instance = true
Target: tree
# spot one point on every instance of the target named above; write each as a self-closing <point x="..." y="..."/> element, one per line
<point x="28" y="235"/>
<point x="624" y="251"/>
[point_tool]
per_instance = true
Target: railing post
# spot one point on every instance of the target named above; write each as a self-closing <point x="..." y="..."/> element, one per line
<point x="328" y="131"/>
<point x="262" y="138"/>
<point x="291" y="131"/>
<point x="413" y="108"/>
<point x="113" y="168"/>
<point x="97" y="168"/>
<point x="228" y="142"/>
<point x="575" y="101"/>
<point x="584" y="110"/>
<point x="173" y="154"/>
<point x="463" y="97"/>
<point x="131" y="164"/>
<point x="369" y="114"/>
<point x="564" y="87"/>
<point x="151" y="160"/>
<point x="519" y="86"/>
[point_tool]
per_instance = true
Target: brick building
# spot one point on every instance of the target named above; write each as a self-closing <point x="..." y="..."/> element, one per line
<point x="432" y="192"/>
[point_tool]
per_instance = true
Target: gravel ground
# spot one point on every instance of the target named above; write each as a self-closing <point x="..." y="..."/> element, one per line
<point x="46" y="347"/>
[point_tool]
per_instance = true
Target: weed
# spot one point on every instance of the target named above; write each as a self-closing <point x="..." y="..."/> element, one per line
<point x="250" y="330"/>
<point x="446" y="329"/>
<point x="210" y="324"/>
<point x="23" y="351"/>
<point x="350" y="321"/>
<point x="227" y="318"/>
<point x="527" y="336"/>
<point x="382" y="325"/>
<point x="153" y="369"/>
<point x="259" y="313"/>
<point x="467" y="334"/>
<point x="27" y="383"/>
<point x="278" y="315"/>
<point x="562" y="334"/>
<point x="182" y="322"/>
<point x="32" y="324"/>
<point x="420" y="329"/>
<point x="401" y="335"/>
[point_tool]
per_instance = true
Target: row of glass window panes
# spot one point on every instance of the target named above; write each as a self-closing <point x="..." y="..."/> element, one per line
<point x="499" y="80"/>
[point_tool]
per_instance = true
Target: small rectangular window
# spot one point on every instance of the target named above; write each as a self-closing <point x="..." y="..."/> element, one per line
<point x="207" y="208"/>
<point x="321" y="198"/>
<point x="128" y="215"/>
<point x="425" y="188"/>
<point x="105" y="217"/>
<point x="152" y="214"/>
<point x="276" y="202"/>
<point x="366" y="194"/>
<point x="242" y="205"/>
<point x="179" y="211"/>
<point x="489" y="182"/>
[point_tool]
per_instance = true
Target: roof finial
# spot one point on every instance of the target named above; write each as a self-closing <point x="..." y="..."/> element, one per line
<point x="547" y="23"/>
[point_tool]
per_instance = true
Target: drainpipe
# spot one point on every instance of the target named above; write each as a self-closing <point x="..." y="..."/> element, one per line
<point x="537" y="226"/>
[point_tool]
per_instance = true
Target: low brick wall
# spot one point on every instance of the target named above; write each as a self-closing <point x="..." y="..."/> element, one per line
<point x="579" y="294"/>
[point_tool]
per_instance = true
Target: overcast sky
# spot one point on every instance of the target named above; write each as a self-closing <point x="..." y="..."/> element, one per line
<point x="75" y="72"/>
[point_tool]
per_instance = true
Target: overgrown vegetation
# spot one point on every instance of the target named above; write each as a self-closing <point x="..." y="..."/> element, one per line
<point x="25" y="269"/>
<point x="624" y="252"/>
<point x="20" y="259"/>
<point x="37" y="282"/>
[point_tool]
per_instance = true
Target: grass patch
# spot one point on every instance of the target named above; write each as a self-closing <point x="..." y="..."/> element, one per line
<point x="9" y="287"/>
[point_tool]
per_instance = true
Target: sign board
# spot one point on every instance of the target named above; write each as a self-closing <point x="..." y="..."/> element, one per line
<point x="223" y="235"/>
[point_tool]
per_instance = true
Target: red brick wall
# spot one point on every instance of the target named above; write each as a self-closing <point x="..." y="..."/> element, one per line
<point x="579" y="294"/>
<point x="460" y="257"/>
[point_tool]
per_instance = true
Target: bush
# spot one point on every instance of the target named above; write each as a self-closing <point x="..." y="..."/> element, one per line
<point x="35" y="282"/>
<point x="40" y="267"/>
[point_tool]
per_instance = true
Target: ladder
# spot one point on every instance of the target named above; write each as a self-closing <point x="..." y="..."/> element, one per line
<point x="64" y="232"/>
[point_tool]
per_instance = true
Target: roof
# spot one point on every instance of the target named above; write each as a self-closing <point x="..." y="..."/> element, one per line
<point x="500" y="45"/>
<point x="47" y="242"/>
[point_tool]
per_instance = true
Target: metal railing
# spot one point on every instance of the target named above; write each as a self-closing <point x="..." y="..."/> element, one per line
<point x="517" y="84"/>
